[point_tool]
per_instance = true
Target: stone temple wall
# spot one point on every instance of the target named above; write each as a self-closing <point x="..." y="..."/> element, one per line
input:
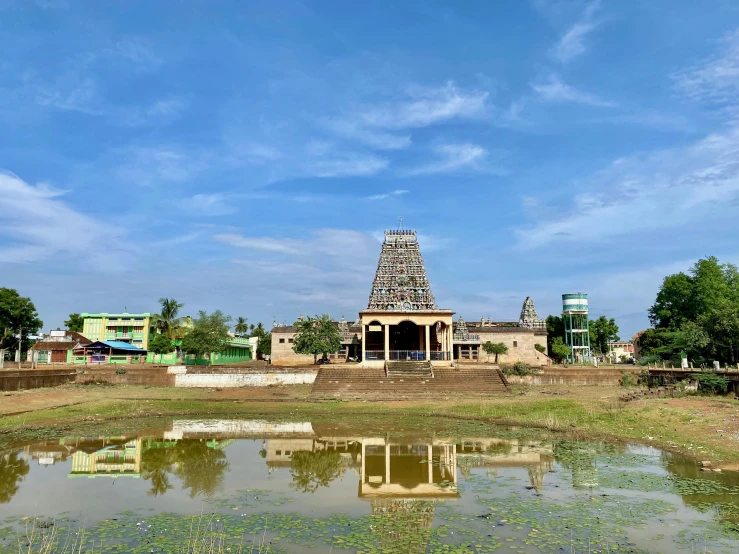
<point x="524" y="351"/>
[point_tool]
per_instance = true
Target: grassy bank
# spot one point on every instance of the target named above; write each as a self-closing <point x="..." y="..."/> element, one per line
<point x="702" y="427"/>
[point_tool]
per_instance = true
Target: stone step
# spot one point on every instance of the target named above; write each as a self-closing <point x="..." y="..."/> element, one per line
<point x="375" y="384"/>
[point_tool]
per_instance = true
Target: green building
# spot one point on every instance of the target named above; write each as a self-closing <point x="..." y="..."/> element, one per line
<point x="132" y="328"/>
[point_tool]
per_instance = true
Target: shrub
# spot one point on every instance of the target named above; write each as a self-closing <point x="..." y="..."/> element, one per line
<point x="521" y="368"/>
<point x="711" y="383"/>
<point x="628" y="379"/>
<point x="540" y="348"/>
<point x="120" y="371"/>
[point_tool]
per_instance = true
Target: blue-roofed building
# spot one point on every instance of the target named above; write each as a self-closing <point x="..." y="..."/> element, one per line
<point x="109" y="352"/>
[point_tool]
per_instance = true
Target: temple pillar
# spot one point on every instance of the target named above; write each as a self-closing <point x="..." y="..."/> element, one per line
<point x="364" y="342"/>
<point x="387" y="341"/>
<point x="364" y="467"/>
<point x="431" y="463"/>
<point x="427" y="342"/>
<point x="387" y="462"/>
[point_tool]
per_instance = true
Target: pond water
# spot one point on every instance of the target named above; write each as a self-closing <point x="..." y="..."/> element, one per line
<point x="322" y="486"/>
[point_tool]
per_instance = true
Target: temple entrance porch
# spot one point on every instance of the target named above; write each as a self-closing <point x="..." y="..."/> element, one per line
<point x="398" y="336"/>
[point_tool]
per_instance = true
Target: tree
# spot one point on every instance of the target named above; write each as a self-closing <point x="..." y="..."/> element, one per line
<point x="602" y="332"/>
<point x="694" y="314"/>
<point x="208" y="335"/>
<point x="258" y="331"/>
<point x="167" y="320"/>
<point x="555" y="328"/>
<point x="497" y="348"/>
<point x="313" y="469"/>
<point x="560" y="351"/>
<point x="241" y="326"/>
<point x="316" y="335"/>
<point x="75" y="323"/>
<point x="12" y="471"/>
<point x="200" y="468"/>
<point x="540" y="348"/>
<point x="160" y="344"/>
<point x="17" y="314"/>
<point x="264" y="346"/>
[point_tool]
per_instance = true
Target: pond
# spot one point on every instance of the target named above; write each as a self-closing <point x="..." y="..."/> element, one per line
<point x="374" y="486"/>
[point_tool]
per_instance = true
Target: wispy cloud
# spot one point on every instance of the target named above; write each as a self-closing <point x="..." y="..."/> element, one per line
<point x="555" y="90"/>
<point x="453" y="157"/>
<point x="426" y="106"/>
<point x="149" y="166"/>
<point x="345" y="164"/>
<point x="386" y="195"/>
<point x="660" y="190"/>
<point x="208" y="205"/>
<point x="715" y="79"/>
<point x="572" y="43"/>
<point x="139" y="52"/>
<point x="36" y="224"/>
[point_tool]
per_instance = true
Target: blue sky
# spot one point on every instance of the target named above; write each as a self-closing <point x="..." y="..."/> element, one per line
<point x="246" y="156"/>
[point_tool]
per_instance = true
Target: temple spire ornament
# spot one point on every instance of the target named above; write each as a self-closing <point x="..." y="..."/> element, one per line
<point x="400" y="282"/>
<point x="529" y="318"/>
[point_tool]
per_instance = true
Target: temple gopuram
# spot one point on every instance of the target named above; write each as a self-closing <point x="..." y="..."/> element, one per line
<point x="403" y="323"/>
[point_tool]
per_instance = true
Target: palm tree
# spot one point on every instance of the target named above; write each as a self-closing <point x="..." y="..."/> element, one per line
<point x="167" y="320"/>
<point x="258" y="331"/>
<point x="241" y="327"/>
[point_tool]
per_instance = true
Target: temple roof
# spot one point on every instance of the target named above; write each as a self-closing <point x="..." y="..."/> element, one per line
<point x="529" y="318"/>
<point x="400" y="280"/>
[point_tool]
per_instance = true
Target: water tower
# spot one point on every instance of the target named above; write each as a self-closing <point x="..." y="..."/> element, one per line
<point x="577" y="327"/>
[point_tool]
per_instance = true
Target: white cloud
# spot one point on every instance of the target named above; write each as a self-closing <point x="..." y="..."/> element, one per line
<point x="716" y="79"/>
<point x="641" y="194"/>
<point x="379" y="140"/>
<point x="454" y="157"/>
<point x="558" y="92"/>
<point x="344" y="164"/>
<point x="157" y="165"/>
<point x="208" y="205"/>
<point x="386" y="195"/>
<point x="268" y="244"/>
<point x="572" y="44"/>
<point x="426" y="106"/>
<point x="36" y="224"/>
<point x="139" y="52"/>
<point x="80" y="96"/>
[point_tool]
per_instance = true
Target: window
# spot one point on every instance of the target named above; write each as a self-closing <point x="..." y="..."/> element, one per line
<point x="288" y="452"/>
<point x="290" y="341"/>
<point x="278" y="452"/>
<point x="515" y="344"/>
<point x="282" y="341"/>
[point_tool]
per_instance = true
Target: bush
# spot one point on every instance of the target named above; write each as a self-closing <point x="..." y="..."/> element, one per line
<point x="628" y="379"/>
<point x="521" y="368"/>
<point x="120" y="371"/>
<point x="710" y="383"/>
<point x="540" y="348"/>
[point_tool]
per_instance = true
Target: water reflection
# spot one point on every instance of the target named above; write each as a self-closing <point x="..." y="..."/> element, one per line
<point x="12" y="471"/>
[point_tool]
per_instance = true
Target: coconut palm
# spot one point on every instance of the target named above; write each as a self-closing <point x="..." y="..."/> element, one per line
<point x="258" y="331"/>
<point x="167" y="320"/>
<point x="241" y="327"/>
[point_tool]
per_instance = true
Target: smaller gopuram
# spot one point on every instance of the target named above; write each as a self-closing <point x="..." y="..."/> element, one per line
<point x="529" y="318"/>
<point x="402" y="321"/>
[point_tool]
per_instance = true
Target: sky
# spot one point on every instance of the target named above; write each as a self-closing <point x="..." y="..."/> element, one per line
<point x="247" y="156"/>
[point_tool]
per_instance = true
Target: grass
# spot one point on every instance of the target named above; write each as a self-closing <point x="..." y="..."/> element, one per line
<point x="584" y="412"/>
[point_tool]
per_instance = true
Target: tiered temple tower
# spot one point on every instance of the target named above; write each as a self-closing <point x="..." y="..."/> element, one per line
<point x="402" y="321"/>
<point x="529" y="318"/>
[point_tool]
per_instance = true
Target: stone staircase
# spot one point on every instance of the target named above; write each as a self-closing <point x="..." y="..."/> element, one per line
<point x="406" y="369"/>
<point x="375" y="384"/>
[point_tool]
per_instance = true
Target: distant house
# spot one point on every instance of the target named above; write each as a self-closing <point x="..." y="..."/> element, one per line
<point x="109" y="352"/>
<point x="131" y="328"/>
<point x="58" y="347"/>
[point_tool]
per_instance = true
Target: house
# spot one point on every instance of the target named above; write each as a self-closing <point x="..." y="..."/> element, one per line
<point x="131" y="328"/>
<point x="109" y="352"/>
<point x="58" y="347"/>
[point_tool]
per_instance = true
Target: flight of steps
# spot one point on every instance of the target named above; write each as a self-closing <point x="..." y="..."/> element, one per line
<point x="374" y="384"/>
<point x="400" y="370"/>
